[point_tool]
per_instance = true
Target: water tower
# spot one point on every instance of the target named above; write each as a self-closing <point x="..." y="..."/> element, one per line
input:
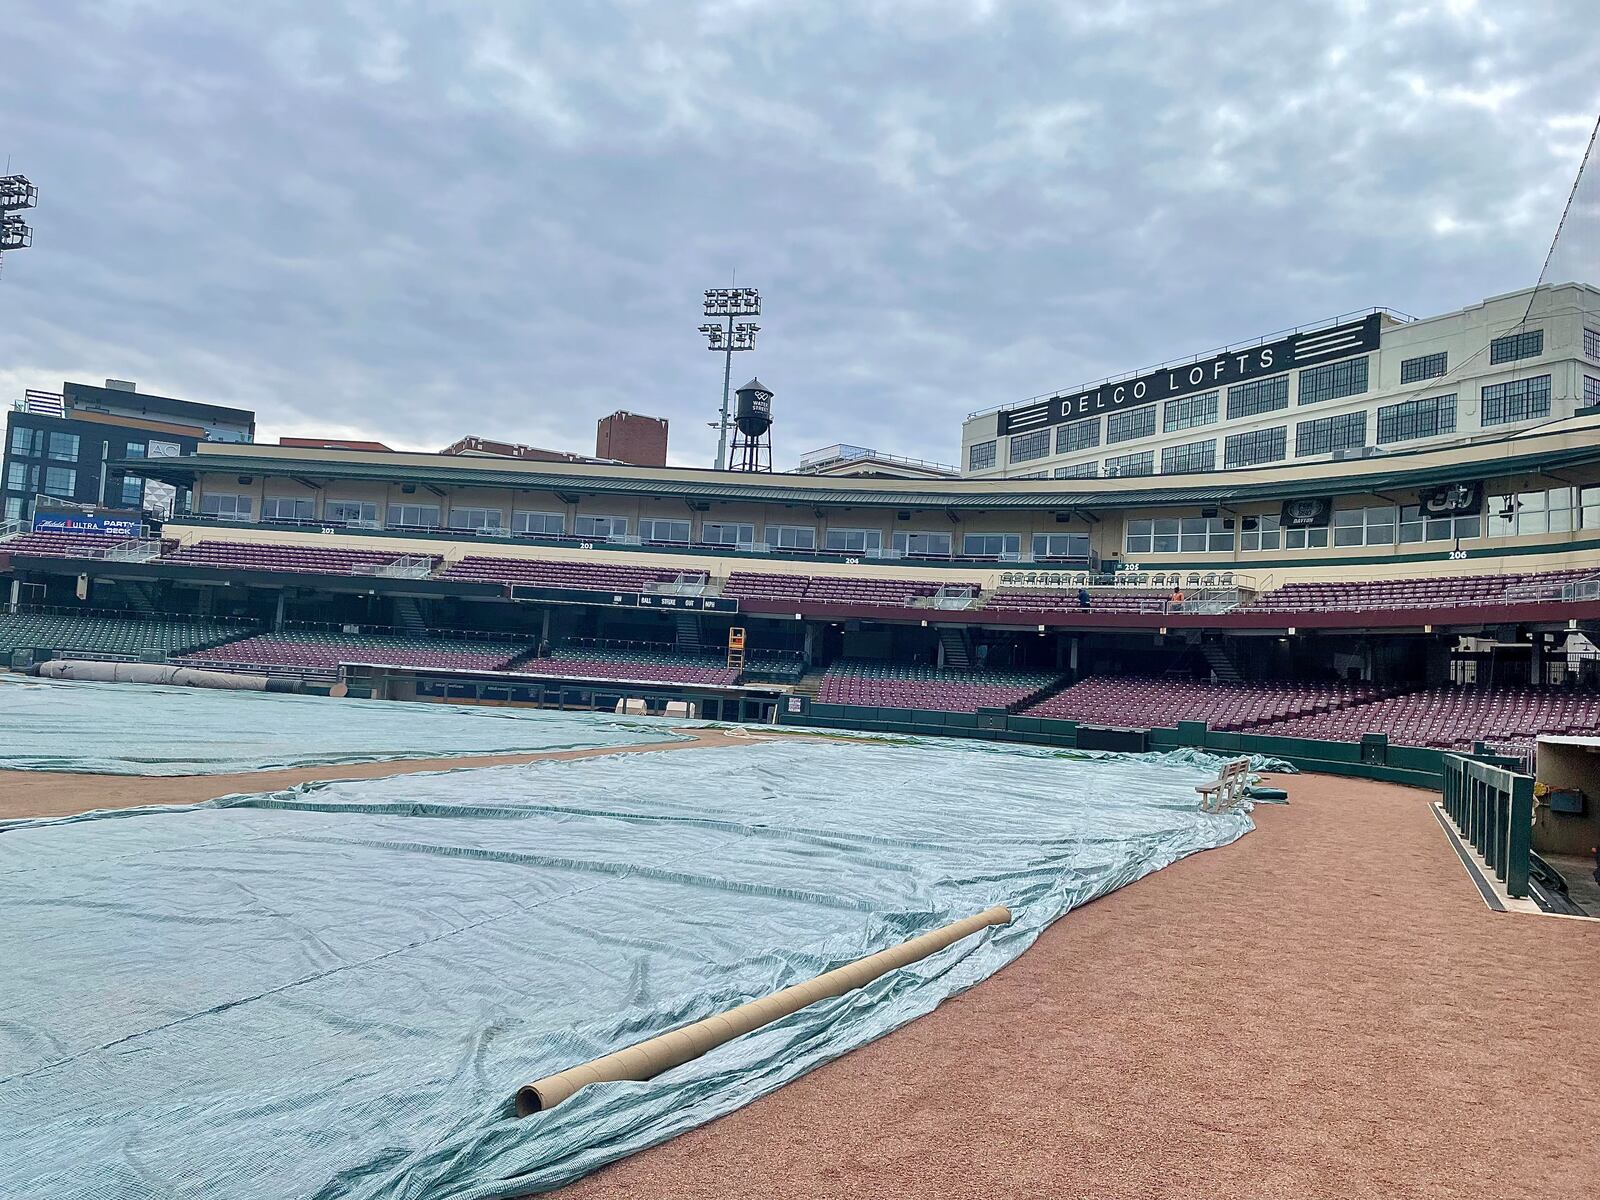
<point x="752" y="424"/>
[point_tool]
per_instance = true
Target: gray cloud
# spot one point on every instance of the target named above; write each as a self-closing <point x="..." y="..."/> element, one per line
<point x="413" y="224"/>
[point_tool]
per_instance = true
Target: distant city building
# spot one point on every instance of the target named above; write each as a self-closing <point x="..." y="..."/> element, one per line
<point x="633" y="439"/>
<point x="306" y="443"/>
<point x="57" y="446"/>
<point x="488" y="446"/>
<point x="864" y="463"/>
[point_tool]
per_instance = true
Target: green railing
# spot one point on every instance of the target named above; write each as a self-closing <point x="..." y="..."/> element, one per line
<point x="1492" y="807"/>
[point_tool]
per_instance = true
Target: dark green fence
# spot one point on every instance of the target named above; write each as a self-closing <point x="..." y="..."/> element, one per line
<point x="1492" y="808"/>
<point x="1370" y="758"/>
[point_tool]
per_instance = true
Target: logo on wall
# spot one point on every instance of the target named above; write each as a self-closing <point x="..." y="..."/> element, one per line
<point x="1454" y="500"/>
<point x="1295" y="351"/>
<point x="1306" y="512"/>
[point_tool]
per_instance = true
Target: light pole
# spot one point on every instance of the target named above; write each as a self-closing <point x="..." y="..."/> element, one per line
<point x="16" y="194"/>
<point x="729" y="303"/>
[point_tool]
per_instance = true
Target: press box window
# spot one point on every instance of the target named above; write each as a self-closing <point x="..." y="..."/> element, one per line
<point x="1260" y="533"/>
<point x="725" y="533"/>
<point x="539" y="524"/>
<point x="413" y="516"/>
<point x="350" y="510"/>
<point x="1529" y="343"/>
<point x="992" y="545"/>
<point x="853" y="541"/>
<point x="980" y="456"/>
<point x="1426" y="366"/>
<point x="476" y="518"/>
<point x="1416" y="526"/>
<point x="225" y="505"/>
<point x="1079" y="435"/>
<point x="1136" y="423"/>
<point x="1025" y="447"/>
<point x="287" y="508"/>
<point x="656" y="529"/>
<point x="1060" y="545"/>
<point x="792" y="537"/>
<point x="923" y="545"/>
<point x="600" y="527"/>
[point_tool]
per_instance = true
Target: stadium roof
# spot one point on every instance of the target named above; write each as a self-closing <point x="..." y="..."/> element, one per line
<point x="1561" y="443"/>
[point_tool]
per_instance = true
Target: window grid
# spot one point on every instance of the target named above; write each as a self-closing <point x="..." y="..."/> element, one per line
<point x="1060" y="545"/>
<point x="1257" y="446"/>
<point x="1135" y="423"/>
<point x="1591" y="390"/>
<point x="1333" y="381"/>
<point x="1189" y="412"/>
<point x="1088" y="470"/>
<point x="980" y="456"/>
<point x="1258" y="396"/>
<point x="1416" y="419"/>
<point x="1591" y="343"/>
<point x="1516" y="400"/>
<point x="1028" y="446"/>
<point x="1427" y="366"/>
<point x="1527" y="343"/>
<point x="1327" y="434"/>
<point x="1191" y="456"/>
<point x="1080" y="435"/>
<point x="1142" y="463"/>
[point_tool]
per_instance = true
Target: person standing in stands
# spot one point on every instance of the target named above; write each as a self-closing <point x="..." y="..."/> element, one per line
<point x="983" y="655"/>
<point x="1083" y="597"/>
<point x="1176" y="599"/>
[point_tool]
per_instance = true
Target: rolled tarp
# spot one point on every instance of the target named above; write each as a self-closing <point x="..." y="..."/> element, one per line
<point x="126" y="672"/>
<point x="647" y="1059"/>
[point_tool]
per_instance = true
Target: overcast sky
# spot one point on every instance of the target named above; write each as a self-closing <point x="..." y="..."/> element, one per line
<point x="418" y="221"/>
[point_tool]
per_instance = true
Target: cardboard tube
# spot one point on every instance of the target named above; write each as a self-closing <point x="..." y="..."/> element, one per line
<point x="647" y="1059"/>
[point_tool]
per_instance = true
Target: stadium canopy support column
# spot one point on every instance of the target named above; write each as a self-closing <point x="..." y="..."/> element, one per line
<point x="1536" y="660"/>
<point x="277" y="617"/>
<point x="16" y="593"/>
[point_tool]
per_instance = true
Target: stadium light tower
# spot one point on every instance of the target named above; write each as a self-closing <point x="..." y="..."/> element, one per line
<point x="16" y="194"/>
<point x="729" y="303"/>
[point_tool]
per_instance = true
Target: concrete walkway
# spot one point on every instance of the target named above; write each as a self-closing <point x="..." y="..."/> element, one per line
<point x="1325" y="1009"/>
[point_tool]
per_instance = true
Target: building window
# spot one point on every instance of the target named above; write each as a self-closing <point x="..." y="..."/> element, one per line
<point x="1416" y="419"/>
<point x="1260" y="533"/>
<point x="1516" y="400"/>
<point x="25" y="441"/>
<point x="476" y="518"/>
<point x="853" y="541"/>
<point x="792" y="537"/>
<point x="980" y="455"/>
<point x="1086" y="470"/>
<point x="1416" y="526"/>
<point x="226" y="506"/>
<point x="350" y="511"/>
<point x="14" y="506"/>
<point x="1327" y="434"/>
<point x="1591" y="343"/>
<point x="133" y="450"/>
<point x="923" y="545"/>
<point x="1258" y="446"/>
<point x="1034" y="475"/>
<point x="60" y="481"/>
<point x="1591" y="390"/>
<point x="1190" y="412"/>
<point x="539" y="524"/>
<point x="1258" y="396"/>
<point x="64" y="447"/>
<point x="1178" y="535"/>
<point x="600" y="527"/>
<point x="1135" y="423"/>
<point x="727" y="533"/>
<point x="1364" y="526"/>
<point x="132" y="492"/>
<point x="1526" y="513"/>
<point x="1026" y="447"/>
<point x="1191" y="456"/>
<point x="1079" y="435"/>
<point x="1528" y="343"/>
<point x="17" y="476"/>
<point x="413" y="516"/>
<point x="286" y="508"/>
<point x="1333" y="381"/>
<point x="1060" y="545"/>
<point x="659" y="529"/>
<point x="1143" y="463"/>
<point x="1428" y="366"/>
<point x="992" y="545"/>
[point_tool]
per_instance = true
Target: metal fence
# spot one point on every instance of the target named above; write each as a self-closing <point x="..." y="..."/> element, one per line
<point x="1492" y="807"/>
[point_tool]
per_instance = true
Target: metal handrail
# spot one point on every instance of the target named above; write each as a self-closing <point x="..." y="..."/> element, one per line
<point x="1492" y="808"/>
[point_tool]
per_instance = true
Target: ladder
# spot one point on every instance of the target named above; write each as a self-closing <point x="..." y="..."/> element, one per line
<point x="736" y="648"/>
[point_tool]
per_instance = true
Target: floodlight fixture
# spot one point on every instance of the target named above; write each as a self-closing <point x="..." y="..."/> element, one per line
<point x="16" y="195"/>
<point x="727" y="337"/>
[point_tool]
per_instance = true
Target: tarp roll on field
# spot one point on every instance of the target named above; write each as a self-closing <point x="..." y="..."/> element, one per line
<point x="335" y="990"/>
<point x="665" y="1051"/>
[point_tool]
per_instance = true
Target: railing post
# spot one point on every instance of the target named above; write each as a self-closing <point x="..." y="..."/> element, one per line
<point x="1519" y="842"/>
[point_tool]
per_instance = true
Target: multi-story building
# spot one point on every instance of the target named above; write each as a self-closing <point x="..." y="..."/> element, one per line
<point x="58" y="446"/>
<point x="1376" y="383"/>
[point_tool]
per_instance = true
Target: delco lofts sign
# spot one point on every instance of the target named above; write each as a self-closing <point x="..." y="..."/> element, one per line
<point x="1221" y="370"/>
